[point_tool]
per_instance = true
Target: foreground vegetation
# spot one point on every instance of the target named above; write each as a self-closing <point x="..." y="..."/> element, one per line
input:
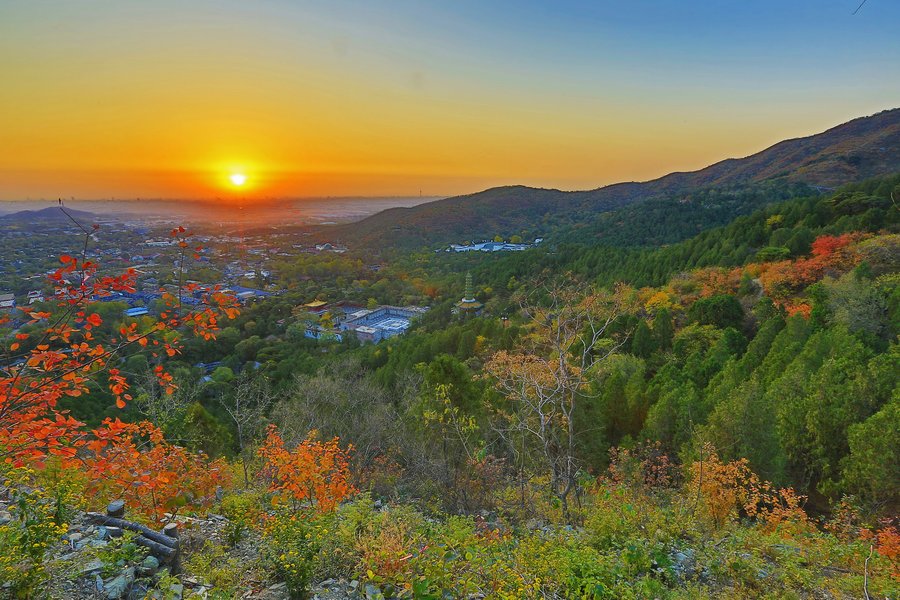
<point x="729" y="429"/>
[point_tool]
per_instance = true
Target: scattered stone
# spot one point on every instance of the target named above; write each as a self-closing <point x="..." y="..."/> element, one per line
<point x="74" y="537"/>
<point x="5" y="517"/>
<point x="176" y="590"/>
<point x="786" y="548"/>
<point x="373" y="593"/>
<point x="116" y="508"/>
<point x="139" y="591"/>
<point x="684" y="563"/>
<point x="95" y="565"/>
<point x="353" y="585"/>
<point x="118" y="586"/>
<point x="149" y="565"/>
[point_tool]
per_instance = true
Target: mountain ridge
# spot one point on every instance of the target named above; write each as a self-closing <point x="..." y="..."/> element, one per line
<point x="859" y="149"/>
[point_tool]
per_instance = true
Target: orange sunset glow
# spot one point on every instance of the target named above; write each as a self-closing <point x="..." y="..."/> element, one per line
<point x="361" y="99"/>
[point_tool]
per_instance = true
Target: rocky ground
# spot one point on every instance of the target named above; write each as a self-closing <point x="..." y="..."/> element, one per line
<point x="89" y="563"/>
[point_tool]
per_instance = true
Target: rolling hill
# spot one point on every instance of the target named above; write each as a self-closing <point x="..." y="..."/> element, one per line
<point x="49" y="214"/>
<point x="859" y="149"/>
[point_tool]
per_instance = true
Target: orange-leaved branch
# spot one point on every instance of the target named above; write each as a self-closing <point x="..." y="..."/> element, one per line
<point x="314" y="472"/>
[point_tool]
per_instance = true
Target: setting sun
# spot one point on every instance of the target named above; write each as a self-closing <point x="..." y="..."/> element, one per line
<point x="238" y="179"/>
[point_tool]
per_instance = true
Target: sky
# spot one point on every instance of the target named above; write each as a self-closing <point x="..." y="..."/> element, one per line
<point x="169" y="98"/>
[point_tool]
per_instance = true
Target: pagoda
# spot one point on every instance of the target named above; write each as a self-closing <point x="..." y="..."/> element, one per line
<point x="469" y="306"/>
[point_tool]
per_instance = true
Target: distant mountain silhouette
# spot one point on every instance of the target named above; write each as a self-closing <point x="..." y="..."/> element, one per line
<point x="51" y="213"/>
<point x="859" y="149"/>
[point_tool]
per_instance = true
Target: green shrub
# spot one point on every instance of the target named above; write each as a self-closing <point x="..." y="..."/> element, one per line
<point x="290" y="547"/>
<point x="25" y="539"/>
<point x="242" y="511"/>
<point x="119" y="553"/>
<point x="230" y="576"/>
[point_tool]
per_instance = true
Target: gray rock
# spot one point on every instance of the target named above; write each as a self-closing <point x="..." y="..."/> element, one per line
<point x="373" y="593"/>
<point x="94" y="566"/>
<point x="149" y="565"/>
<point x="116" y="508"/>
<point x="684" y="563"/>
<point x="139" y="591"/>
<point x="177" y="591"/>
<point x="118" y="586"/>
<point x="354" y="584"/>
<point x="98" y="583"/>
<point x="74" y="537"/>
<point x="5" y="517"/>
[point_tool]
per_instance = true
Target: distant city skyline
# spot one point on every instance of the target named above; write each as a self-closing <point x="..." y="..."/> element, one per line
<point x="247" y="100"/>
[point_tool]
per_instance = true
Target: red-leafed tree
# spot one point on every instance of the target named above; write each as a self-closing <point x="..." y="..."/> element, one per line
<point x="830" y="255"/>
<point x="62" y="358"/>
<point x="314" y="472"/>
<point x="133" y="461"/>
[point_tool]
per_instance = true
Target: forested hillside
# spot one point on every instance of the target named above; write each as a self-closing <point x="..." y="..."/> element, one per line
<point x="857" y="150"/>
<point x="716" y="417"/>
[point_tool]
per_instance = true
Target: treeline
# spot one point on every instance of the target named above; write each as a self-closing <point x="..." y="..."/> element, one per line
<point x="669" y="219"/>
<point x="787" y="228"/>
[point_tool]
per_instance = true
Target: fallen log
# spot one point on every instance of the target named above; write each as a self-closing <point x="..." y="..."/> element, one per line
<point x="156" y="548"/>
<point x="148" y="533"/>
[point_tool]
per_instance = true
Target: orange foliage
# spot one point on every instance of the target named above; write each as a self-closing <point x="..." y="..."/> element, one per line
<point x="134" y="462"/>
<point x="727" y="488"/>
<point x="713" y="281"/>
<point x="314" y="472"/>
<point x="886" y="542"/>
<point x="830" y="255"/>
<point x="799" y="308"/>
<point x="64" y="358"/>
<point x="825" y="246"/>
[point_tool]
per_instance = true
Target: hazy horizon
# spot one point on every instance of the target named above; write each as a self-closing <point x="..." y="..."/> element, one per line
<point x="286" y="211"/>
